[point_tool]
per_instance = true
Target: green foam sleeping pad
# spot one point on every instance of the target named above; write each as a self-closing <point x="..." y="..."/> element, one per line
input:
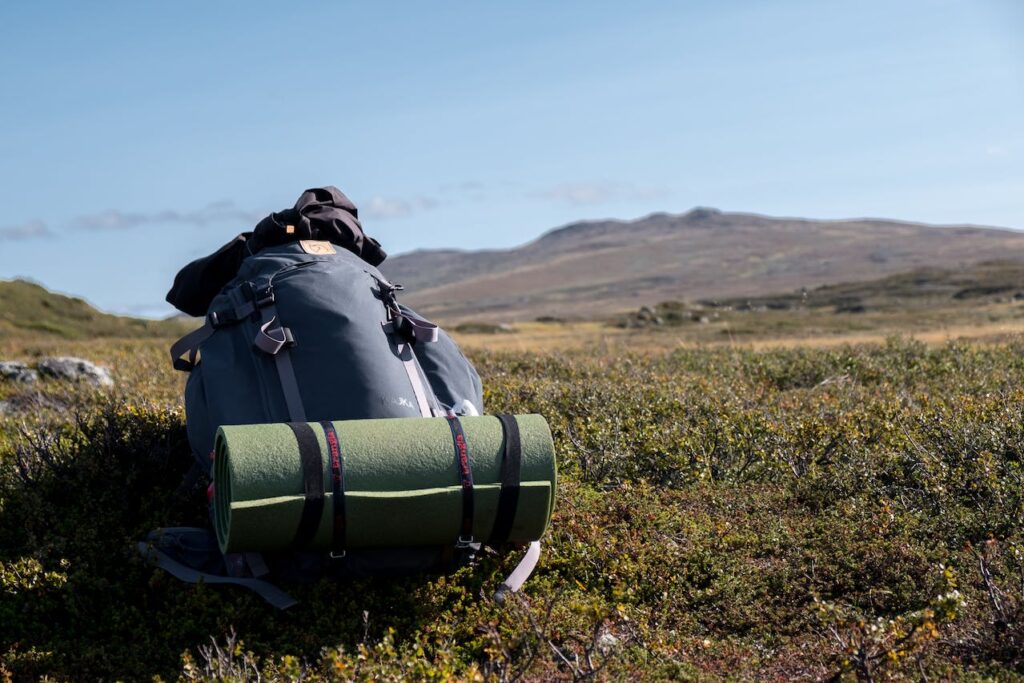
<point x="402" y="483"/>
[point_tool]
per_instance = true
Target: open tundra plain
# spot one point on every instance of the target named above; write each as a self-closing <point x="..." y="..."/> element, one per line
<point x="782" y="513"/>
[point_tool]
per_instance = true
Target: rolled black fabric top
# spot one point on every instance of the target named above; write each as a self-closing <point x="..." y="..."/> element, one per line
<point x="321" y="213"/>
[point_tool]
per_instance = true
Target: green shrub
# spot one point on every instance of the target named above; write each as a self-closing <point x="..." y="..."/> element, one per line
<point x="722" y="513"/>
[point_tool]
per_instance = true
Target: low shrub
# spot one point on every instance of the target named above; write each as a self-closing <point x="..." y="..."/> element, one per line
<point x="851" y="512"/>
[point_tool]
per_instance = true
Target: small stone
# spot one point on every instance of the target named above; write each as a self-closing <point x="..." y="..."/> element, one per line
<point x="76" y="370"/>
<point x="17" y="372"/>
<point x="30" y="401"/>
<point x="607" y="642"/>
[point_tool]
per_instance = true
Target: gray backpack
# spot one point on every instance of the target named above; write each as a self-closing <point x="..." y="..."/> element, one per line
<point x="306" y="330"/>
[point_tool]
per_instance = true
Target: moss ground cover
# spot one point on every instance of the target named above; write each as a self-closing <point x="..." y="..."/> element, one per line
<point x="793" y="513"/>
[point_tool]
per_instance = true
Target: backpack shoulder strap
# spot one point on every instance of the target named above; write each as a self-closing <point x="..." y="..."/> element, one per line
<point x="521" y="573"/>
<point x="269" y="592"/>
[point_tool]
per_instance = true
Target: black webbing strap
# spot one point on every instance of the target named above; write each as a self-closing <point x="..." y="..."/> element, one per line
<point x="283" y="363"/>
<point x="312" y="484"/>
<point x="190" y="344"/>
<point x="337" y="488"/>
<point x="511" y="474"/>
<point x="466" y="478"/>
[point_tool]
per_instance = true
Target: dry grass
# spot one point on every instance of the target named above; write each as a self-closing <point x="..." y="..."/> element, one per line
<point x="574" y="336"/>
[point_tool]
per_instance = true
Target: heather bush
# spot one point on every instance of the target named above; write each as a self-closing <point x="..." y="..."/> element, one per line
<point x="853" y="512"/>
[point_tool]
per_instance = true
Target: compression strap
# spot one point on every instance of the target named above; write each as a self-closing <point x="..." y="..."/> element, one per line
<point x="465" y="478"/>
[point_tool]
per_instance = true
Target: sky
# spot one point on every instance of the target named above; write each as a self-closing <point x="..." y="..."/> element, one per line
<point x="135" y="137"/>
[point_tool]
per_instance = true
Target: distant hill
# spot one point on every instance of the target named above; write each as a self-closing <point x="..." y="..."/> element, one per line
<point x="985" y="294"/>
<point x="978" y="284"/>
<point x="27" y="307"/>
<point x="595" y="268"/>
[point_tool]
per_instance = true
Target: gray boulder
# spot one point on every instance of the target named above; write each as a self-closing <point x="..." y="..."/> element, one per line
<point x="77" y="370"/>
<point x="30" y="401"/>
<point x="17" y="372"/>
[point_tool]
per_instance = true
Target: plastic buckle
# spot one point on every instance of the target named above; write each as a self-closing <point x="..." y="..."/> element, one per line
<point x="464" y="542"/>
<point x="218" y="319"/>
<point x="336" y="556"/>
<point x="263" y="297"/>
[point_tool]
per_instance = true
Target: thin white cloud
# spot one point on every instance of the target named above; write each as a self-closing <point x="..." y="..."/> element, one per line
<point x="589" y="194"/>
<point x="214" y="213"/>
<point x="29" y="230"/>
<point x="158" y="311"/>
<point x="466" y="186"/>
<point x="222" y="211"/>
<point x="381" y="208"/>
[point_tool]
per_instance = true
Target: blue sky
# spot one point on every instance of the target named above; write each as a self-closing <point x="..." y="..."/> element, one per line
<point x="135" y="137"/>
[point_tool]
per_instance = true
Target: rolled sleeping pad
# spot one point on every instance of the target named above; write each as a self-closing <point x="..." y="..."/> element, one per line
<point x="402" y="483"/>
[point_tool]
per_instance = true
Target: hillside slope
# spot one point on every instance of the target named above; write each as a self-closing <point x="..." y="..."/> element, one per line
<point x="26" y="307"/>
<point x="599" y="267"/>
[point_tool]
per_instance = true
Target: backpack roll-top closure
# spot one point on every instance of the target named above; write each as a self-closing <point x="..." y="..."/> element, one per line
<point x="320" y="213"/>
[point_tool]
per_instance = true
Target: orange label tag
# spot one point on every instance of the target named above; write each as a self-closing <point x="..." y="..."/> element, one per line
<point x="317" y="247"/>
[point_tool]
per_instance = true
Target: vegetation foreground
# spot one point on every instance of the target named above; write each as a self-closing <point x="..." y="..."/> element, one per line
<point x="722" y="513"/>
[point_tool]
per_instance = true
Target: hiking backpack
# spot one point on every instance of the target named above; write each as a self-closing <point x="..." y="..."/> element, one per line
<point x="300" y="326"/>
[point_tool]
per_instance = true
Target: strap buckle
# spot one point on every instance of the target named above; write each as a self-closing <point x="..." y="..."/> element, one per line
<point x="263" y="296"/>
<point x="337" y="555"/>
<point x="464" y="542"/>
<point x="272" y="340"/>
<point x="218" y="319"/>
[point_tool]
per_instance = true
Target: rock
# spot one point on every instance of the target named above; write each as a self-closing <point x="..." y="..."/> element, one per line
<point x="31" y="401"/>
<point x="77" y="370"/>
<point x="607" y="642"/>
<point x="17" y="372"/>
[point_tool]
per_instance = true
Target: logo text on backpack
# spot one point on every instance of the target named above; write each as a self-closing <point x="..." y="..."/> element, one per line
<point x="317" y="247"/>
